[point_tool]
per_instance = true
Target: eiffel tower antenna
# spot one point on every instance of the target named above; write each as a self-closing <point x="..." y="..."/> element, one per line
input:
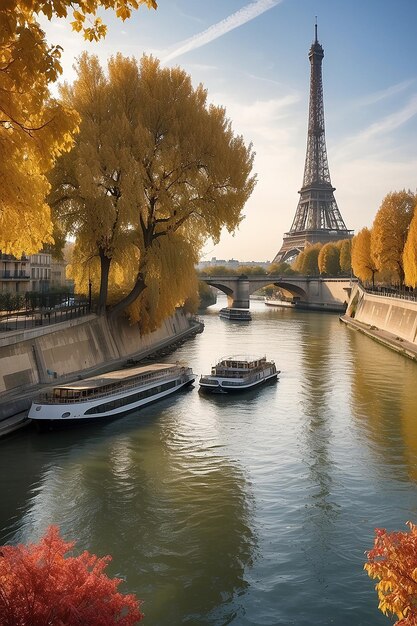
<point x="317" y="217"/>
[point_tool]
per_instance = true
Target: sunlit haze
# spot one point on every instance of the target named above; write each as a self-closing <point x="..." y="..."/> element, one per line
<point x="252" y="57"/>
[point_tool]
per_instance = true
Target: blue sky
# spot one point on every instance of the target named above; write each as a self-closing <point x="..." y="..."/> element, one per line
<point x="252" y="57"/>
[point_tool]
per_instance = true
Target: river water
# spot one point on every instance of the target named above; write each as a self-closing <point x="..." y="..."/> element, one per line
<point x="247" y="510"/>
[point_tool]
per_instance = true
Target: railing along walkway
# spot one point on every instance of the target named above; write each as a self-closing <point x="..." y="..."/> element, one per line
<point x="390" y="293"/>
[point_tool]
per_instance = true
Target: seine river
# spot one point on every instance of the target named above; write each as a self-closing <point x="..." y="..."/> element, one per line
<point x="246" y="510"/>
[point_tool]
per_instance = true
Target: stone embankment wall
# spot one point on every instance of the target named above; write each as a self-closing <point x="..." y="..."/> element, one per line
<point x="60" y="352"/>
<point x="393" y="315"/>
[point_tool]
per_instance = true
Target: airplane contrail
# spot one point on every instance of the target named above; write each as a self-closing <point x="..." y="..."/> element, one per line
<point x="244" y="15"/>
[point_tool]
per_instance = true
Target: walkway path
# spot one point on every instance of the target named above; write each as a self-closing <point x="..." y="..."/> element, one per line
<point x="398" y="344"/>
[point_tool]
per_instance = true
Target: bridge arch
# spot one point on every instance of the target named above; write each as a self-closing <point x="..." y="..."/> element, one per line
<point x="312" y="291"/>
<point x="224" y="288"/>
<point x="283" y="284"/>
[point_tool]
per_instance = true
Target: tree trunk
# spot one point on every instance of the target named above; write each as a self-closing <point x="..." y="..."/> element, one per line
<point x="401" y="275"/>
<point x="104" y="282"/>
<point x="138" y="288"/>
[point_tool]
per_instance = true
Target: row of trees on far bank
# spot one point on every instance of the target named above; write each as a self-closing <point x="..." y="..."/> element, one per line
<point x="388" y="251"/>
<point x="329" y="259"/>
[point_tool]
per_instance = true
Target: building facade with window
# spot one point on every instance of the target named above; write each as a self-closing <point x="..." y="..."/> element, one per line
<point x="14" y="274"/>
<point x="40" y="271"/>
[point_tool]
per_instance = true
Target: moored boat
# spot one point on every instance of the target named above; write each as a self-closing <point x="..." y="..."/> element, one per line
<point x="109" y="395"/>
<point x="239" y="315"/>
<point x="234" y="374"/>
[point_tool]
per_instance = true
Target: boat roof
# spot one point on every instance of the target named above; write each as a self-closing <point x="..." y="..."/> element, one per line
<point x="115" y="376"/>
<point x="242" y="358"/>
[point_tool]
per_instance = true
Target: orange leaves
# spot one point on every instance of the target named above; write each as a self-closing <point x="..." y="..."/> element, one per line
<point x="393" y="560"/>
<point x="389" y="230"/>
<point x="34" y="129"/>
<point x="42" y="584"/>
<point x="363" y="263"/>
<point x="410" y="253"/>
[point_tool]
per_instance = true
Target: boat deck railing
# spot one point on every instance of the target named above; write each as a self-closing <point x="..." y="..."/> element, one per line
<point x="119" y="387"/>
<point x="229" y="380"/>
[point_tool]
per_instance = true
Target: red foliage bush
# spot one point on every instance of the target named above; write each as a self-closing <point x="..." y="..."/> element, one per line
<point x="41" y="586"/>
<point x="393" y="560"/>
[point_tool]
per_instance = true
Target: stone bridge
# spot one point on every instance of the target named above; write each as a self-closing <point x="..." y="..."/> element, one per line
<point x="311" y="292"/>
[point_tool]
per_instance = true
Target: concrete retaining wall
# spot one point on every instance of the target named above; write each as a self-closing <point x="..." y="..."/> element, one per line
<point x="393" y="315"/>
<point x="63" y="350"/>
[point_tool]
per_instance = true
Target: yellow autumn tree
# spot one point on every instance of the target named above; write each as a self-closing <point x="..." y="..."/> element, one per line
<point x="307" y="261"/>
<point x="328" y="259"/>
<point x="155" y="171"/>
<point x="410" y="254"/>
<point x="390" y="229"/>
<point x="345" y="256"/>
<point x="35" y="128"/>
<point x="364" y="265"/>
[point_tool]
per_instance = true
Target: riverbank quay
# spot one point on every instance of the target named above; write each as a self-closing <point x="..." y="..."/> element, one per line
<point x="391" y="320"/>
<point x="32" y="360"/>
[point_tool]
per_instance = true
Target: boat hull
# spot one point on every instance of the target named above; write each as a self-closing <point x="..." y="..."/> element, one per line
<point x="223" y="387"/>
<point x="45" y="416"/>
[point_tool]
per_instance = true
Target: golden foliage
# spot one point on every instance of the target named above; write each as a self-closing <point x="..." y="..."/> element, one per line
<point x="307" y="261"/>
<point x="363" y="264"/>
<point x="328" y="259"/>
<point x="389" y="231"/>
<point x="410" y="253"/>
<point x="171" y="280"/>
<point x="34" y="128"/>
<point x="345" y="260"/>
<point x="154" y="172"/>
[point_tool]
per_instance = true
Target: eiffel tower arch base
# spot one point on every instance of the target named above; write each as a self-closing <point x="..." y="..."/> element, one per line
<point x="294" y="243"/>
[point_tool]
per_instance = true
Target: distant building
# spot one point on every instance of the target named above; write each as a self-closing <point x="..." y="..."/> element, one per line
<point x="36" y="272"/>
<point x="59" y="277"/>
<point x="14" y="274"/>
<point x="40" y="271"/>
<point x="231" y="264"/>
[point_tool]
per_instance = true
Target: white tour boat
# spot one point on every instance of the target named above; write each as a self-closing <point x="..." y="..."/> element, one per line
<point x="236" y="373"/>
<point x="238" y="315"/>
<point x="109" y="395"/>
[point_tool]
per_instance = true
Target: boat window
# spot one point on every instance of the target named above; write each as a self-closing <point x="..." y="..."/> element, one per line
<point x="130" y="399"/>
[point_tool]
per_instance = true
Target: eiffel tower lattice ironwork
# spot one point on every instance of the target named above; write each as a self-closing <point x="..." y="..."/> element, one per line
<point x="317" y="218"/>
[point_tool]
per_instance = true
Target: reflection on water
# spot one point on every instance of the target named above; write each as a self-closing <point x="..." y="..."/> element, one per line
<point x="321" y="354"/>
<point x="164" y="506"/>
<point x="248" y="510"/>
<point x="384" y="402"/>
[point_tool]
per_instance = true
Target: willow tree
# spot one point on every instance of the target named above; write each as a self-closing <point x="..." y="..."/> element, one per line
<point x="364" y="265"/>
<point x="389" y="231"/>
<point x="410" y="254"/>
<point x="155" y="171"/>
<point x="35" y="128"/>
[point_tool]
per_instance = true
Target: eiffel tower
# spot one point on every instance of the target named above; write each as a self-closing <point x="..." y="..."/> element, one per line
<point x="317" y="218"/>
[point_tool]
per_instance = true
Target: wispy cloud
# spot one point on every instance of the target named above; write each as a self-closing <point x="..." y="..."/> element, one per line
<point x="391" y="122"/>
<point x="372" y="139"/>
<point x="386" y="93"/>
<point x="244" y="15"/>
